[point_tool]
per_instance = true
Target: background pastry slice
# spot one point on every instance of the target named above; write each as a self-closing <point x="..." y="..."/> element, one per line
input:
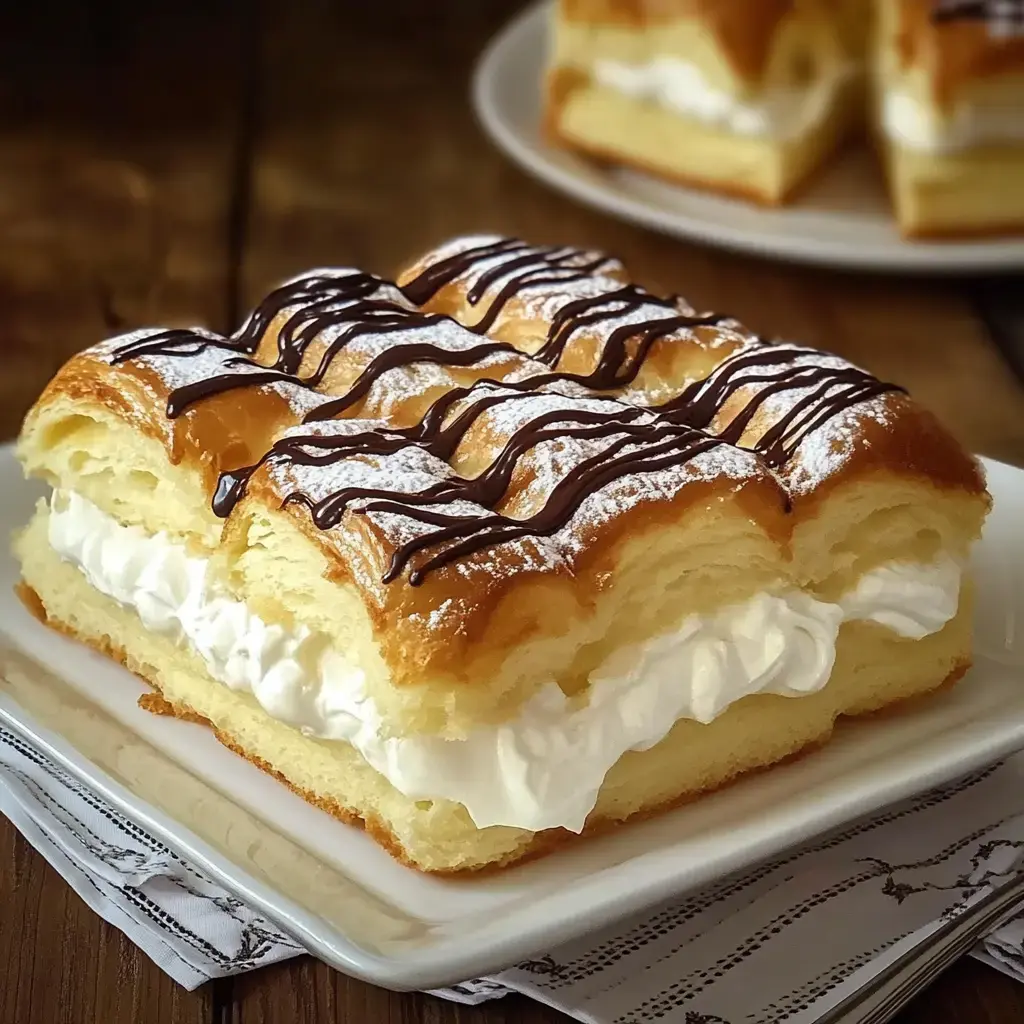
<point x="747" y="97"/>
<point x="949" y="82"/>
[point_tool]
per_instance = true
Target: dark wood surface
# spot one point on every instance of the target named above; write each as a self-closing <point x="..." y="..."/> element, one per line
<point x="167" y="163"/>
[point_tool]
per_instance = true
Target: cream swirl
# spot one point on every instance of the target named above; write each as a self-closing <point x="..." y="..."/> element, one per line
<point x="680" y="86"/>
<point x="921" y="126"/>
<point x="544" y="767"/>
<point x="906" y="599"/>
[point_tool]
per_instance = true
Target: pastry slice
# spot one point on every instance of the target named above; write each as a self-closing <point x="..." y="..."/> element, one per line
<point x="949" y="114"/>
<point x="482" y="586"/>
<point x="745" y="97"/>
<point x="396" y="614"/>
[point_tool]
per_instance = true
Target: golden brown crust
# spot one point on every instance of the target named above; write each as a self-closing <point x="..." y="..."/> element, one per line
<point x="32" y="602"/>
<point x="901" y="439"/>
<point x="219" y="433"/>
<point x="399" y="610"/>
<point x="156" y="704"/>
<point x="743" y="29"/>
<point x="953" y="53"/>
<point x="918" y="447"/>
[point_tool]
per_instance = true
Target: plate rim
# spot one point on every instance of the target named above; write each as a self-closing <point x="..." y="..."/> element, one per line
<point x="919" y="258"/>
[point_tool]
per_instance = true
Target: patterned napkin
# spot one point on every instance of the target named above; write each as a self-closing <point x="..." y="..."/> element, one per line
<point x="785" y="941"/>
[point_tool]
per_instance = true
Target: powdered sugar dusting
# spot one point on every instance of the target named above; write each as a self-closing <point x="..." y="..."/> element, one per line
<point x="826" y="450"/>
<point x="301" y="400"/>
<point x="445" y="335"/>
<point x="420" y="375"/>
<point x="543" y="301"/>
<point x="571" y="439"/>
<point x="198" y="355"/>
<point x="560" y="261"/>
<point x="393" y="388"/>
<point x="412" y="471"/>
<point x="822" y="445"/>
<point x="545" y="464"/>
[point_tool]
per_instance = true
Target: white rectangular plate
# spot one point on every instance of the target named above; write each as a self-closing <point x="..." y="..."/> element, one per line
<point x="350" y="904"/>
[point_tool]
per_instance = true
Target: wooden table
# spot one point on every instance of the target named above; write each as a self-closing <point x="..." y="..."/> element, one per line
<point x="168" y="165"/>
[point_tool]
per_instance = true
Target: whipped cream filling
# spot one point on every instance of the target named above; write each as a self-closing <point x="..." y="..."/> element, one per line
<point x="680" y="86"/>
<point x="916" y="125"/>
<point x="544" y="768"/>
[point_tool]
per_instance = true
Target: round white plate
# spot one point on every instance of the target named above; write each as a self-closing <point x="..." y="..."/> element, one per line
<point x="844" y="219"/>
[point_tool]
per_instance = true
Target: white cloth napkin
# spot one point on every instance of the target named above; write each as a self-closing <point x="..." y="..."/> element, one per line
<point x="784" y="941"/>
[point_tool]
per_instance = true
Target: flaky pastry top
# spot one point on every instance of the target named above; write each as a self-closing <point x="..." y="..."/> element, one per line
<point x="507" y="412"/>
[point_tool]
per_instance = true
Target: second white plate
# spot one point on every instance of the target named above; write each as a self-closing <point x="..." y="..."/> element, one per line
<point x="843" y="220"/>
<point x="348" y="902"/>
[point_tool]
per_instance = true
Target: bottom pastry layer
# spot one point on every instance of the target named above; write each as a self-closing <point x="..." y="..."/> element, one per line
<point x="874" y="669"/>
<point x="607" y="124"/>
<point x="974" y="192"/>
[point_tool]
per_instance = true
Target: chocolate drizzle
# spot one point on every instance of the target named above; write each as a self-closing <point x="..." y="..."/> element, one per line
<point x="633" y="440"/>
<point x="830" y="391"/>
<point x="527" y="266"/>
<point x="637" y="444"/>
<point x="617" y="366"/>
<point x="322" y="303"/>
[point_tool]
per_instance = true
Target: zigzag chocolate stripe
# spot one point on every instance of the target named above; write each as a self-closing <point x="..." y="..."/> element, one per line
<point x="637" y="445"/>
<point x="831" y="390"/>
<point x="322" y="303"/>
<point x="835" y="389"/>
<point x="527" y="266"/>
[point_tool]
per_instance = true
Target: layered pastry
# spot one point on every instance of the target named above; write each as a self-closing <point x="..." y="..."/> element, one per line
<point x="950" y="111"/>
<point x="747" y="97"/>
<point x="508" y="552"/>
<point x="750" y="97"/>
